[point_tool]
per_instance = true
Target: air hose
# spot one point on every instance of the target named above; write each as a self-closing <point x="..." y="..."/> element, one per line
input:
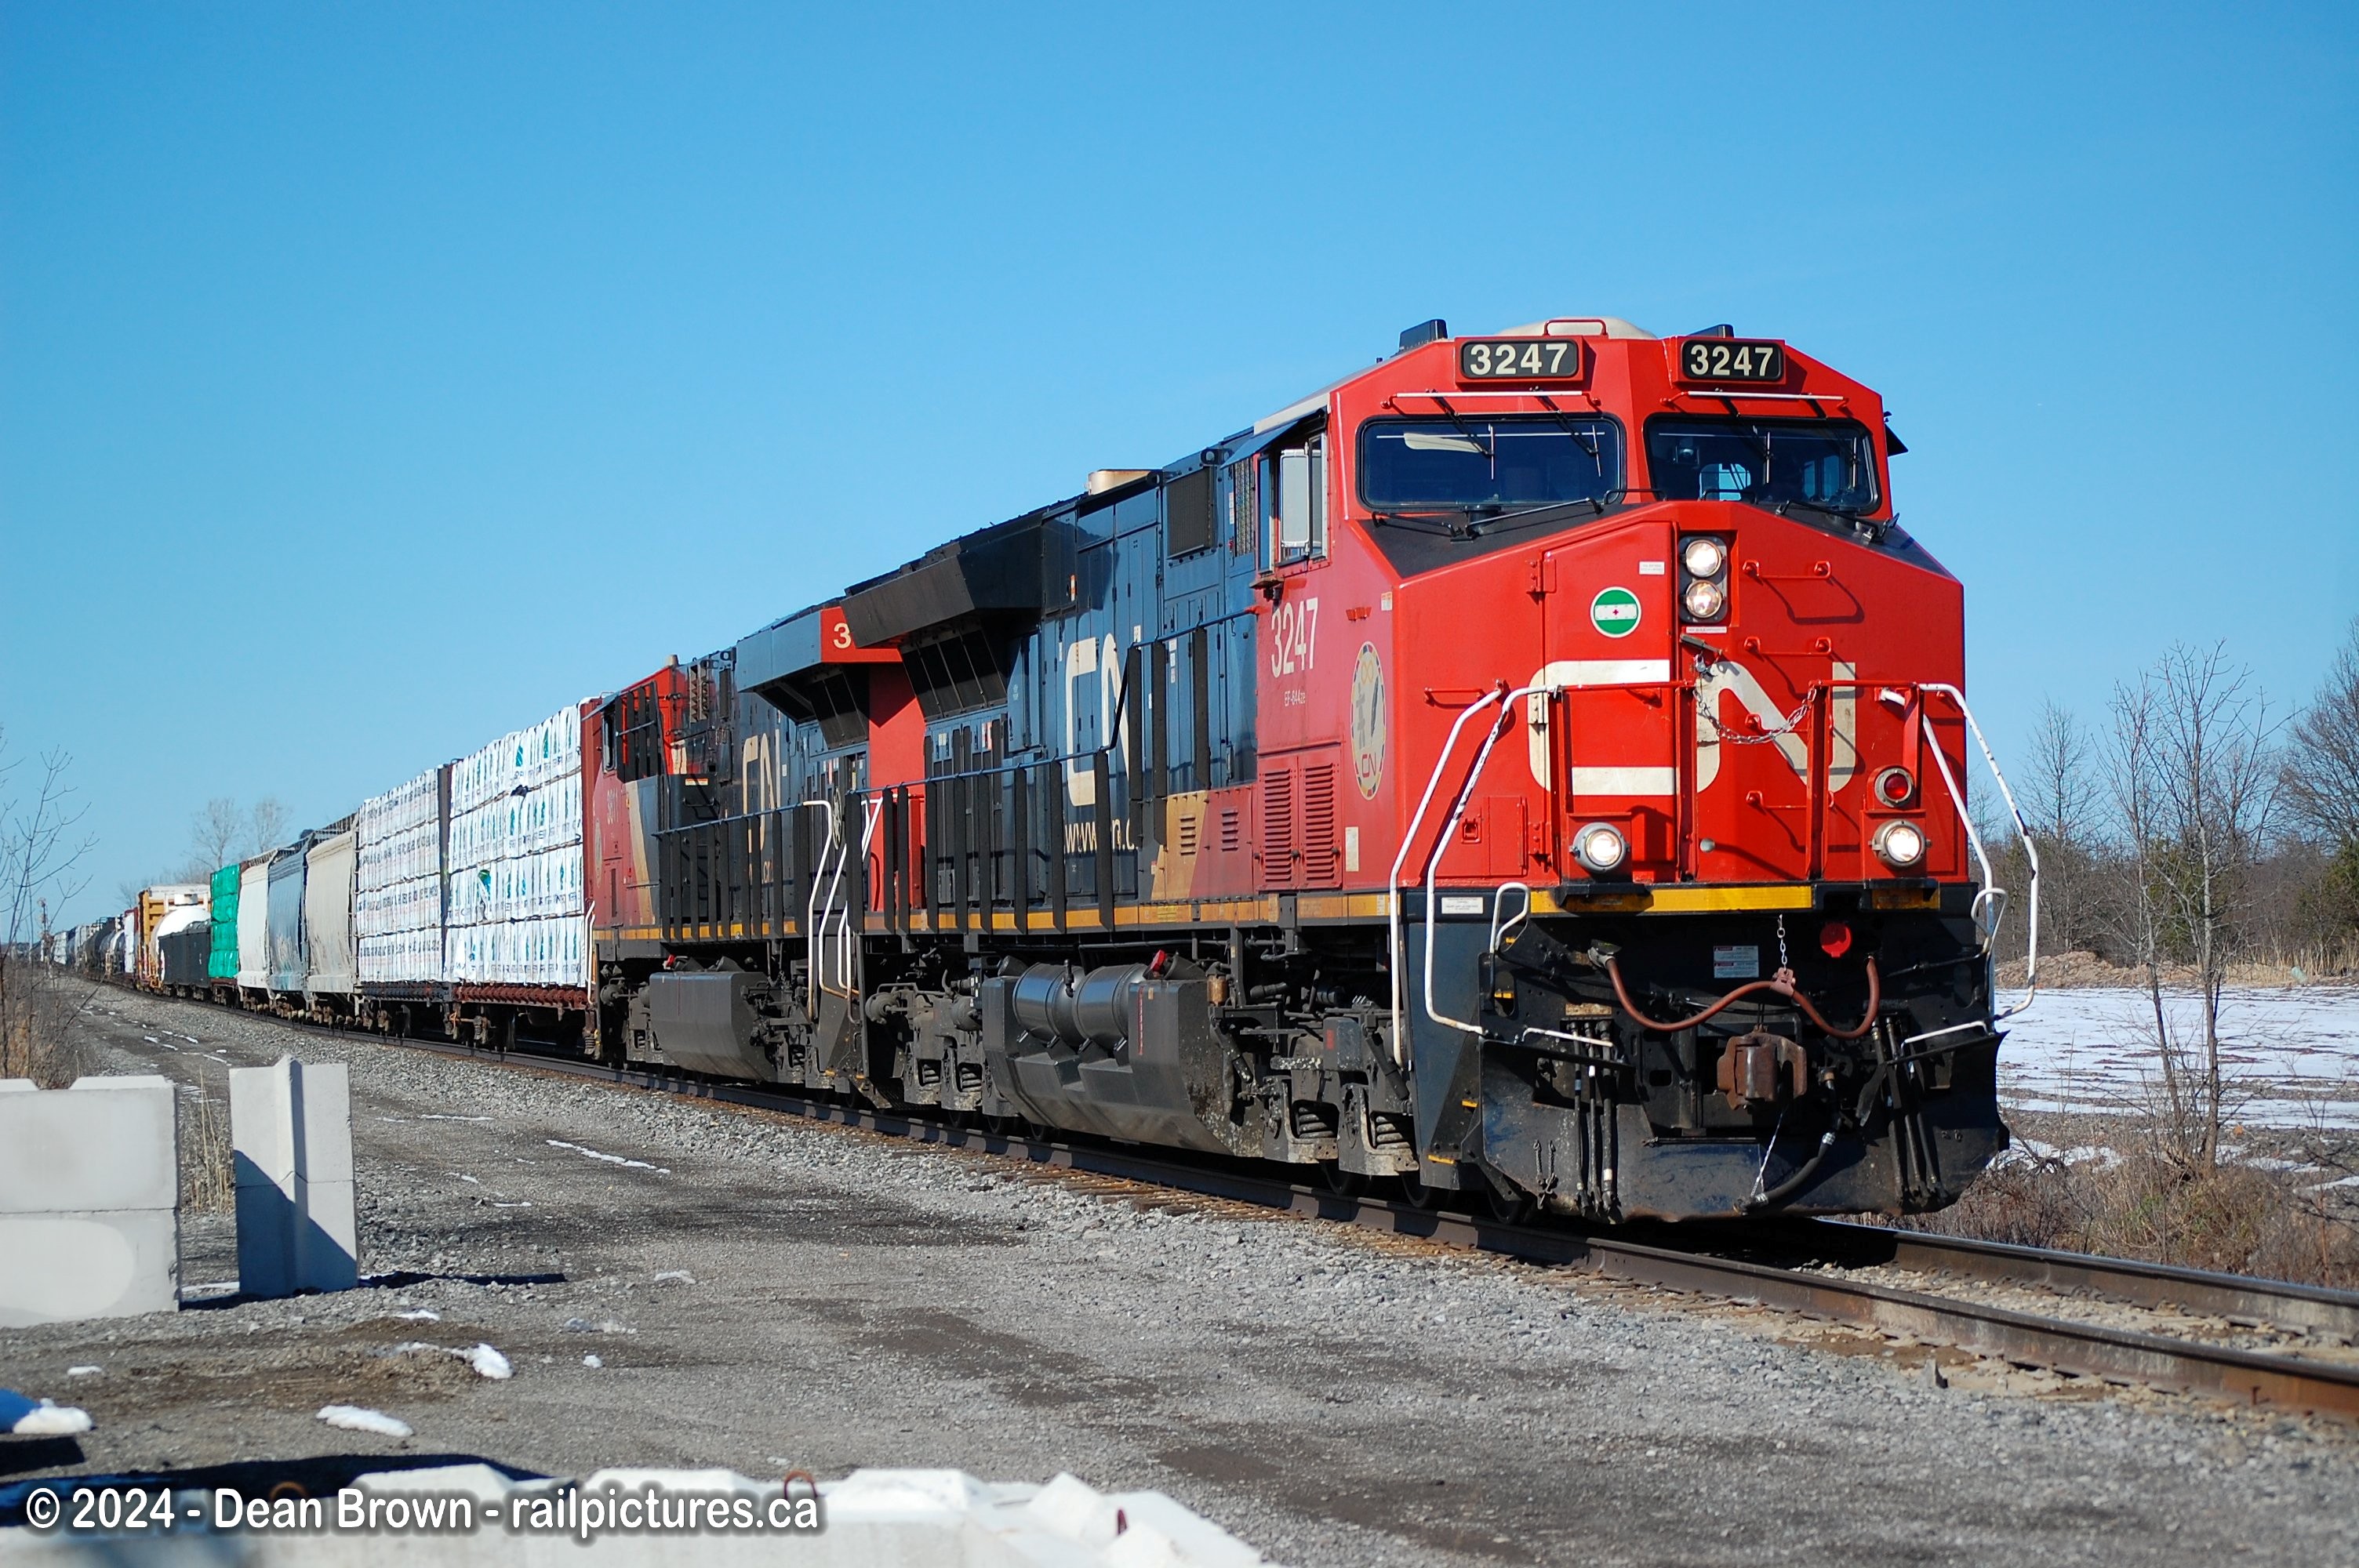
<point x="1781" y="986"/>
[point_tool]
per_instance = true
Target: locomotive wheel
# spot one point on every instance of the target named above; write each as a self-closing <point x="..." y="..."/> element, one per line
<point x="1419" y="1195"/>
<point x="1506" y="1204"/>
<point x="1341" y="1182"/>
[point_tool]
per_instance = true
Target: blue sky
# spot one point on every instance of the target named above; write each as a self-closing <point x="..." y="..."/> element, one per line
<point x="374" y="379"/>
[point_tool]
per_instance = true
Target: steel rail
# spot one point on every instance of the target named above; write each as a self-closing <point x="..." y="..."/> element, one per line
<point x="2085" y="1349"/>
<point x="2273" y="1303"/>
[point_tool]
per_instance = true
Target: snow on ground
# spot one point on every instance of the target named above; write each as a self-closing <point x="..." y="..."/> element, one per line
<point x="2291" y="1055"/>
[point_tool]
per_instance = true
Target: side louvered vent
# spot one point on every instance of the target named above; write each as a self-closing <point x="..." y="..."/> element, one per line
<point x="1191" y="824"/>
<point x="1233" y="830"/>
<point x="1279" y="867"/>
<point x="1321" y="866"/>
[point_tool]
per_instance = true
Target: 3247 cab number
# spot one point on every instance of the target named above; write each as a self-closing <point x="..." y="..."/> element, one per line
<point x="1520" y="359"/>
<point x="1730" y="359"/>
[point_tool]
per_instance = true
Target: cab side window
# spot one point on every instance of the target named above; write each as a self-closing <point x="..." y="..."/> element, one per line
<point x="1300" y="497"/>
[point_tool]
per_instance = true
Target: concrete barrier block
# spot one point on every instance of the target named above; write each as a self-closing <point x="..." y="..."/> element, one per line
<point x="89" y="1200"/>
<point x="61" y="1267"/>
<point x="291" y="1131"/>
<point x="105" y="1143"/>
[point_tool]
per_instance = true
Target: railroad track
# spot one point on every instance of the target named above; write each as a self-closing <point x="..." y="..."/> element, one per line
<point x="1799" y="1267"/>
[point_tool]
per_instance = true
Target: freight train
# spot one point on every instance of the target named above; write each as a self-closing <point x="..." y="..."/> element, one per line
<point x="1529" y="772"/>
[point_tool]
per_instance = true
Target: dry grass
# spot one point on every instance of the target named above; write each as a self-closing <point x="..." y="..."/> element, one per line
<point x="2294" y="966"/>
<point x="207" y="1178"/>
<point x="2232" y="1218"/>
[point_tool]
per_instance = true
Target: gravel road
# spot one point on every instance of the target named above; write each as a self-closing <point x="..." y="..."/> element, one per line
<point x="760" y="1293"/>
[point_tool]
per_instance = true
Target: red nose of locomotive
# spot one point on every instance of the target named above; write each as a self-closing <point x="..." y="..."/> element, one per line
<point x="1721" y="949"/>
<point x="1729" y="695"/>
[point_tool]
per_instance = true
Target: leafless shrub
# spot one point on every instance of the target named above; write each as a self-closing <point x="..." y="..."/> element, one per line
<point x="2192" y="782"/>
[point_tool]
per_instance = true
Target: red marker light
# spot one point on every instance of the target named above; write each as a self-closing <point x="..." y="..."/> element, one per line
<point x="1835" y="937"/>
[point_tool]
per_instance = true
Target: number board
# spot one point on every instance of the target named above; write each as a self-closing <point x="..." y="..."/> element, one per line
<point x="1730" y="359"/>
<point x="1520" y="359"/>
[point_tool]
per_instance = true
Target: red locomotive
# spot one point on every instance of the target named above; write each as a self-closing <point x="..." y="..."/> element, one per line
<point x="1532" y="766"/>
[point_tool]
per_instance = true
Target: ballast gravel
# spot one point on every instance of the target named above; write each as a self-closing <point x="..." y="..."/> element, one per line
<point x="675" y="1283"/>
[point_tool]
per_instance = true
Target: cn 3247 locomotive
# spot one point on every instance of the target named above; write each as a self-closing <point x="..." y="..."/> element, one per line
<point x="1531" y="768"/>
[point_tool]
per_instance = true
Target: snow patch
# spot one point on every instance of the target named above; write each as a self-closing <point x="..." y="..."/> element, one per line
<point x="51" y="1419"/>
<point x="488" y="1363"/>
<point x="2291" y="1058"/>
<point x="423" y="1314"/>
<point x="592" y="1362"/>
<point x="438" y="1116"/>
<point x="609" y="1159"/>
<point x="360" y="1418"/>
<point x="83" y="1371"/>
<point x="679" y="1276"/>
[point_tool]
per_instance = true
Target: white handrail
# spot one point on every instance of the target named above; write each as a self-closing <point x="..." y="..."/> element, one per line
<point x="1499" y="902"/>
<point x="812" y="935"/>
<point x="2023" y="832"/>
<point x="1433" y="856"/>
<point x="1408" y="839"/>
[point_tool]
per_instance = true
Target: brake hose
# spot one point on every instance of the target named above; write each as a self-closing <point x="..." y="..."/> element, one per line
<point x="1782" y="988"/>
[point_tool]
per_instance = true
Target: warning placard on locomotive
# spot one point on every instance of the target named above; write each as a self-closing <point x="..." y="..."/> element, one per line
<point x="1737" y="963"/>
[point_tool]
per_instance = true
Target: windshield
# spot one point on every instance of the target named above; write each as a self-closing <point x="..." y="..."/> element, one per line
<point x="1819" y="462"/>
<point x="1475" y="463"/>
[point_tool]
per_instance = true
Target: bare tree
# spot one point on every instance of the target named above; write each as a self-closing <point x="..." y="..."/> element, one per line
<point x="2320" y="785"/>
<point x="2321" y="764"/>
<point x="2193" y="780"/>
<point x="266" y="826"/>
<point x="40" y="851"/>
<point x="216" y="833"/>
<point x="2063" y="796"/>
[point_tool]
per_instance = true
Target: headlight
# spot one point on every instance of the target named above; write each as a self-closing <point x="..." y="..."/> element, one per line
<point x="1601" y="847"/>
<point x="1704" y="558"/>
<point x="1900" y="845"/>
<point x="1704" y="599"/>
